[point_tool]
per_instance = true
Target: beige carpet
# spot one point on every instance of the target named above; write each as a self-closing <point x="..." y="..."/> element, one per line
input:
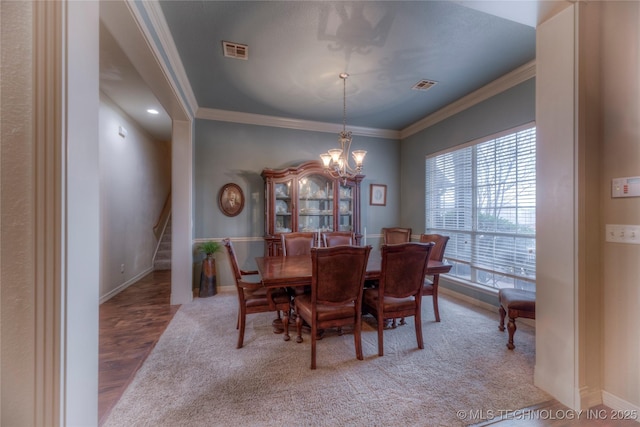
<point x="196" y="377"/>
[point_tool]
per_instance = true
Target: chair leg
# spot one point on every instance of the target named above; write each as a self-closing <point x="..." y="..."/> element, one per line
<point x="314" y="332"/>
<point x="242" y="320"/>
<point x="357" y="336"/>
<point x="418" y="321"/>
<point x="503" y="313"/>
<point x="380" y="334"/>
<point x="436" y="277"/>
<point x="299" y="329"/>
<point x="511" y="327"/>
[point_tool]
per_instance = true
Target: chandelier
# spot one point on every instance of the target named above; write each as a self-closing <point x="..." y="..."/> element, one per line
<point x="336" y="161"/>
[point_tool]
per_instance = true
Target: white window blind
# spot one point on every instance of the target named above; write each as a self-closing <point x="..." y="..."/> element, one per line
<point x="484" y="197"/>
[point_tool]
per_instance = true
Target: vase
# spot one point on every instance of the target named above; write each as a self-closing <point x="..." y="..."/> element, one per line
<point x="208" y="277"/>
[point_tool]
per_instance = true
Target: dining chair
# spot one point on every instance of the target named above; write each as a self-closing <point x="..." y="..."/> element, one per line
<point x="297" y="243"/>
<point x="395" y="235"/>
<point x="430" y="286"/>
<point x="253" y="297"/>
<point x="336" y="238"/>
<point x="399" y="291"/>
<point x="337" y="282"/>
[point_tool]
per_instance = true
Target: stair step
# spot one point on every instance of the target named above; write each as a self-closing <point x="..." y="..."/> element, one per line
<point x="162" y="265"/>
<point x="164" y="254"/>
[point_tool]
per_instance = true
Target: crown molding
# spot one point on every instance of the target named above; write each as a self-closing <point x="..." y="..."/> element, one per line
<point x="150" y="18"/>
<point x="288" y="123"/>
<point x="515" y="77"/>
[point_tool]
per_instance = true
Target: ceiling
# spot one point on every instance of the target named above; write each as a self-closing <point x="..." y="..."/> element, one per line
<point x="296" y="51"/>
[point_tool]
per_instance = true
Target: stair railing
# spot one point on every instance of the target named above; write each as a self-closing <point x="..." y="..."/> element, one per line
<point x="161" y="223"/>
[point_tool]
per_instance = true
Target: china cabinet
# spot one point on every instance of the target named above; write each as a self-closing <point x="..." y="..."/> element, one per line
<point x="305" y="198"/>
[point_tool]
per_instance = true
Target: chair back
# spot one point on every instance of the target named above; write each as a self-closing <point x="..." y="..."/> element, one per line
<point x="232" y="259"/>
<point x="403" y="268"/>
<point x="337" y="238"/>
<point x="394" y="235"/>
<point x="437" y="253"/>
<point x="297" y="243"/>
<point x="338" y="274"/>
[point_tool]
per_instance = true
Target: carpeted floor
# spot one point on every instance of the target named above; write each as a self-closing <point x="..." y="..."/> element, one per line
<point x="196" y="377"/>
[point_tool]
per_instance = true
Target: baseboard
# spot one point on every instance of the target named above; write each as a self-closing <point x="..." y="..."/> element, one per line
<point x="125" y="285"/>
<point x="466" y="298"/>
<point x="621" y="405"/>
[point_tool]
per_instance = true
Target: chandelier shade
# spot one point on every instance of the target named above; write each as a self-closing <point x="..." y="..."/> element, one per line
<point x="336" y="161"/>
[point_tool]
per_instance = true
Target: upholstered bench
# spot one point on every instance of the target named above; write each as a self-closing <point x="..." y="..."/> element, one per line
<point x="517" y="303"/>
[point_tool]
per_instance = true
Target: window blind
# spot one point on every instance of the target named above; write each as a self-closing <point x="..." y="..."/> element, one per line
<point x="484" y="197"/>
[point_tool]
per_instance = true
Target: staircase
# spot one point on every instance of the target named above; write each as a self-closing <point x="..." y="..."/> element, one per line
<point x="162" y="261"/>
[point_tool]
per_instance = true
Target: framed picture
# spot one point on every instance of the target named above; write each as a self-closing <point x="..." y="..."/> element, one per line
<point x="231" y="199"/>
<point x="378" y="195"/>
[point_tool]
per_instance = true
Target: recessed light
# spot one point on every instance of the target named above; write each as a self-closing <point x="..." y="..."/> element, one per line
<point x="152" y="111"/>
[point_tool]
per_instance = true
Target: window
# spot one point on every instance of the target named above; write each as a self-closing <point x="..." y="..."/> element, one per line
<point x="484" y="197"/>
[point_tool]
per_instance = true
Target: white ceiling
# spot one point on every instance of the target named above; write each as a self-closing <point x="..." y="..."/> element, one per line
<point x="298" y="49"/>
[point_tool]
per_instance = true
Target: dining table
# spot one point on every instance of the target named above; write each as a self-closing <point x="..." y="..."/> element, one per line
<point x="295" y="270"/>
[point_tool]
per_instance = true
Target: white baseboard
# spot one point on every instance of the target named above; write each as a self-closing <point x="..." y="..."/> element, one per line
<point x="626" y="410"/>
<point x="125" y="285"/>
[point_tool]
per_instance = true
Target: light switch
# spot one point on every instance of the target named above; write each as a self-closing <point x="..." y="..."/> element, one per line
<point x="622" y="234"/>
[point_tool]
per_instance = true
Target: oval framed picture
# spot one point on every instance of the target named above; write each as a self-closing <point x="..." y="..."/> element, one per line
<point x="231" y="199"/>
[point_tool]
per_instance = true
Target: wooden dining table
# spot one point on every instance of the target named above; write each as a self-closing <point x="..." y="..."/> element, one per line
<point x="295" y="270"/>
<point x="285" y="271"/>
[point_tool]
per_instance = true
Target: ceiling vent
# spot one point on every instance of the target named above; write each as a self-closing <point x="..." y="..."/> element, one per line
<point x="235" y="50"/>
<point x="424" y="85"/>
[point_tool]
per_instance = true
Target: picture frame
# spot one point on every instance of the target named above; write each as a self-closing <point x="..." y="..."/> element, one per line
<point x="378" y="195"/>
<point x="231" y="199"/>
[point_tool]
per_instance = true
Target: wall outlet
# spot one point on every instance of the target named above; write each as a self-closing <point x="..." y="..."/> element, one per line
<point x="121" y="268"/>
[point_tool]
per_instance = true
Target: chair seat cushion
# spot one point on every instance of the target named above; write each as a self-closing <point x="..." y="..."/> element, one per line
<point x="390" y="304"/>
<point x="517" y="299"/>
<point x="324" y="312"/>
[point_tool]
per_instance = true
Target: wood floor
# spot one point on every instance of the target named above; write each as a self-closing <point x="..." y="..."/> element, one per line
<point x="132" y="322"/>
<point x="130" y="325"/>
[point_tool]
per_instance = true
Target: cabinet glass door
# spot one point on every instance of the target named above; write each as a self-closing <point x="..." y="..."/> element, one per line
<point x="345" y="208"/>
<point x="283" y="207"/>
<point x="315" y="203"/>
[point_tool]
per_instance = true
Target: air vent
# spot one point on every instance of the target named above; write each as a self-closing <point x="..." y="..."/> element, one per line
<point x="424" y="85"/>
<point x="235" y="50"/>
